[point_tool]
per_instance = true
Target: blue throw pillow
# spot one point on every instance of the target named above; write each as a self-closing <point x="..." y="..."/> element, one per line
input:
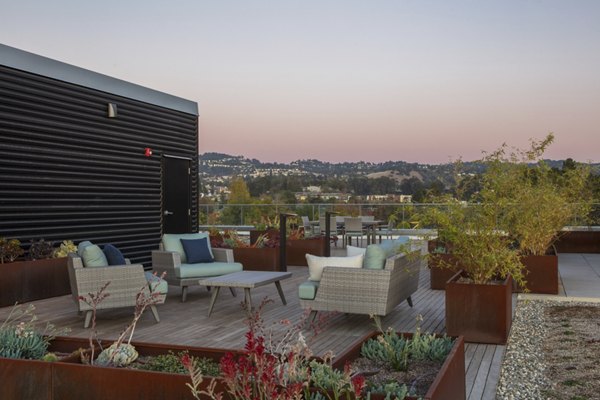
<point x="113" y="255"/>
<point x="197" y="251"/>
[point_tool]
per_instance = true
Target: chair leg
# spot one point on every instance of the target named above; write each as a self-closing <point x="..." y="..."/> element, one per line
<point x="184" y="290"/>
<point x="88" y="319"/>
<point x="409" y="300"/>
<point x="312" y="316"/>
<point x="154" y="313"/>
<point x="233" y="292"/>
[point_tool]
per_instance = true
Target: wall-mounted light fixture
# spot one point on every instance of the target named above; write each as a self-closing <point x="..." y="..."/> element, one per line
<point x="112" y="110"/>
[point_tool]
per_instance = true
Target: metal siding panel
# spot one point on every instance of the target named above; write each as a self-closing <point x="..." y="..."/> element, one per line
<point x="67" y="171"/>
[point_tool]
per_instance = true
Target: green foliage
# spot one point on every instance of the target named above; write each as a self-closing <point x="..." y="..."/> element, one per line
<point x="389" y="347"/>
<point x="10" y="250"/>
<point x="40" y="250"/>
<point x="171" y="363"/>
<point x="538" y="200"/>
<point x="19" y="338"/>
<point x="392" y="390"/>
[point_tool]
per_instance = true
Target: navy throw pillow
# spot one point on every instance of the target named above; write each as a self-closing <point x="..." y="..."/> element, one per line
<point x="113" y="255"/>
<point x="197" y="251"/>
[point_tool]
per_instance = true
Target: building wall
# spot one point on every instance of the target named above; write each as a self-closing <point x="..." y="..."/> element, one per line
<point x="67" y="171"/>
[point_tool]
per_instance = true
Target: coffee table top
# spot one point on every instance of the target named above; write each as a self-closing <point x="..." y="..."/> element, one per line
<point x="245" y="279"/>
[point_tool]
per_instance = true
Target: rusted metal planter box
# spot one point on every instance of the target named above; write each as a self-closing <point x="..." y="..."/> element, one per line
<point x="449" y="383"/>
<point x="541" y="274"/>
<point x="32" y="379"/>
<point x="258" y="259"/>
<point x="297" y="249"/>
<point x="24" y="281"/>
<point x="481" y="313"/>
<point x="579" y="240"/>
<point x="70" y="379"/>
<point x="438" y="275"/>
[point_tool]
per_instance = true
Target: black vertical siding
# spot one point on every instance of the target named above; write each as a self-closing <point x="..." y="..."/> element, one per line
<point x="67" y="171"/>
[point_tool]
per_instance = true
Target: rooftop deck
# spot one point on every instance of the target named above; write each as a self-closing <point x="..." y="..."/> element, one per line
<point x="187" y="323"/>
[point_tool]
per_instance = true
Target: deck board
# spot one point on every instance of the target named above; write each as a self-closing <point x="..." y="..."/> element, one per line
<point x="187" y="323"/>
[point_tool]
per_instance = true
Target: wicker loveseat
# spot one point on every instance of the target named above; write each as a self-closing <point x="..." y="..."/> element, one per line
<point x="364" y="290"/>
<point x="171" y="258"/>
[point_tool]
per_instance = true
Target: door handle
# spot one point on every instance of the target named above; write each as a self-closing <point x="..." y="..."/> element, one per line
<point x="168" y="212"/>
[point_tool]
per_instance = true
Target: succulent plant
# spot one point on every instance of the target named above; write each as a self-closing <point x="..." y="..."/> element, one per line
<point x="120" y="356"/>
<point x="40" y="250"/>
<point x="66" y="247"/>
<point x="10" y="250"/>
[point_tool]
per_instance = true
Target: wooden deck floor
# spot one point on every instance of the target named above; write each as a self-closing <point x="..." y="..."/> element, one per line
<point x="188" y="324"/>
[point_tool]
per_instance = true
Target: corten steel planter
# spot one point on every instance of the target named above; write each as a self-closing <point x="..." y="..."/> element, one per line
<point x="258" y="259"/>
<point x="579" y="241"/>
<point x="297" y="249"/>
<point x="24" y="281"/>
<point x="79" y="381"/>
<point x="449" y="383"/>
<point x="481" y="313"/>
<point x="541" y="274"/>
<point x="68" y="378"/>
<point x="32" y="379"/>
<point x="440" y="275"/>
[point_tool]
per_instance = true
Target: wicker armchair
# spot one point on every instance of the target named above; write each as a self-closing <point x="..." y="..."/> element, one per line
<point x="126" y="282"/>
<point x="367" y="291"/>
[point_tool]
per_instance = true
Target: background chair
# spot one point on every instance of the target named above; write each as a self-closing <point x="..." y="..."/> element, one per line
<point x="353" y="227"/>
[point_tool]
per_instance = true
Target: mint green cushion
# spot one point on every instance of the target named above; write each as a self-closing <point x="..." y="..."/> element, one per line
<point x="93" y="256"/>
<point x="308" y="290"/>
<point x="172" y="242"/>
<point x="207" y="269"/>
<point x="157" y="285"/>
<point x="81" y="246"/>
<point x="374" y="257"/>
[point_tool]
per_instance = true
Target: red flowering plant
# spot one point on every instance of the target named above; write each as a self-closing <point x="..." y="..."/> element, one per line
<point x="276" y="364"/>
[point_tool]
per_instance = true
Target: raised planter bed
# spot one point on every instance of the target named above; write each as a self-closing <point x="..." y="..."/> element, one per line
<point x="481" y="313"/>
<point x="449" y="383"/>
<point x="440" y="275"/>
<point x="297" y="249"/>
<point x="579" y="240"/>
<point x="258" y="259"/>
<point x="70" y="379"/>
<point x="24" y="281"/>
<point x="541" y="274"/>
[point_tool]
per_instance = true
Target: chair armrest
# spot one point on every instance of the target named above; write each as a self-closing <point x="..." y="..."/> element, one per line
<point x="223" y="255"/>
<point x="339" y="283"/>
<point x="165" y="261"/>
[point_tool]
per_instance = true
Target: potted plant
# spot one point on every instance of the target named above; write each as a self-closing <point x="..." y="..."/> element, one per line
<point x="42" y="274"/>
<point x="262" y="255"/>
<point x="542" y="201"/>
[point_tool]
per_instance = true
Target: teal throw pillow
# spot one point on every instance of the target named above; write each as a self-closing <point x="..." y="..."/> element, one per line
<point x="374" y="257"/>
<point x="93" y="256"/>
<point x="113" y="255"/>
<point x="81" y="246"/>
<point x="197" y="251"/>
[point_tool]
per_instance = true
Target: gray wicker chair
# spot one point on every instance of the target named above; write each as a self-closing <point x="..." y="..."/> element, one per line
<point x="367" y="291"/>
<point x="126" y="281"/>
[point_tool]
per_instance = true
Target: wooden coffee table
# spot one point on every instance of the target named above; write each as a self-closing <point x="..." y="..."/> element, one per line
<point x="246" y="280"/>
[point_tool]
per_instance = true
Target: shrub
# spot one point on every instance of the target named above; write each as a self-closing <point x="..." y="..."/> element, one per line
<point x="10" y="250"/>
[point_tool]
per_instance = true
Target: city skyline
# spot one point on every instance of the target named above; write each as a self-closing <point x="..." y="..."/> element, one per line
<point x="336" y="81"/>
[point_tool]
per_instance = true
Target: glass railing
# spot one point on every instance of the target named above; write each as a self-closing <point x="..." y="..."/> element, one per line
<point x="402" y="215"/>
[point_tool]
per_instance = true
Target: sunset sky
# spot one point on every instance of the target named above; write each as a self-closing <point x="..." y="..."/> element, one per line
<point x="344" y="80"/>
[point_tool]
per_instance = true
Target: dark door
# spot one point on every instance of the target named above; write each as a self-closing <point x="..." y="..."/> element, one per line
<point x="176" y="195"/>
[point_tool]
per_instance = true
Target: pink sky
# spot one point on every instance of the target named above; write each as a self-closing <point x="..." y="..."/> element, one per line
<point x="420" y="81"/>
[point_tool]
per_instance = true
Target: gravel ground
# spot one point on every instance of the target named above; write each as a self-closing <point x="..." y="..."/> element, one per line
<point x="534" y="362"/>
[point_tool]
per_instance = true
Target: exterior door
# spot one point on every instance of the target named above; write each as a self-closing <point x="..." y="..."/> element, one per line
<point x="176" y="195"/>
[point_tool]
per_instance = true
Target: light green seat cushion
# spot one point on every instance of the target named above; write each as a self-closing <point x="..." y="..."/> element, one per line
<point x="172" y="242"/>
<point x="93" y="256"/>
<point x="374" y="257"/>
<point x="203" y="270"/>
<point x="308" y="290"/>
<point x="158" y="285"/>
